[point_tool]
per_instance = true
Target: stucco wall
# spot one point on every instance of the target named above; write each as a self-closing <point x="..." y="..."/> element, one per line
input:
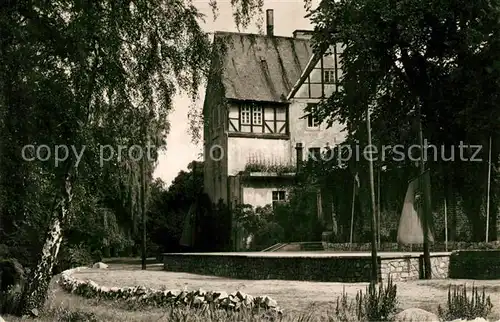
<point x="242" y="150"/>
<point x="260" y="194"/>
<point x="310" y="137"/>
<point x="239" y="151"/>
<point x="281" y="151"/>
<point x="257" y="197"/>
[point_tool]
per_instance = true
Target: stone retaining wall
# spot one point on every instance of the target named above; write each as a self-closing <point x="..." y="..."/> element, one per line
<point x="401" y="269"/>
<point x="301" y="268"/>
<point x="322" y="269"/>
<point x="411" y="267"/>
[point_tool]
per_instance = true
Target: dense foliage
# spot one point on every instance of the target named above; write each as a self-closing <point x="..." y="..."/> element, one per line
<point x="84" y="79"/>
<point x="435" y="57"/>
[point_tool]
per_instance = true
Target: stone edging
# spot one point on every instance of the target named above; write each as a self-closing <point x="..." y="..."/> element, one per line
<point x="200" y="298"/>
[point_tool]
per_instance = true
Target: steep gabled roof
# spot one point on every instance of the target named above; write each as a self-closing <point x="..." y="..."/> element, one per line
<point x="259" y="67"/>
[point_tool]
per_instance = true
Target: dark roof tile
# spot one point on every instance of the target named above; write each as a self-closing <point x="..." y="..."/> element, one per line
<point x="262" y="68"/>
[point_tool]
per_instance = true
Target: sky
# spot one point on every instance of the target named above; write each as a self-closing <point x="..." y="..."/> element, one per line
<point x="180" y="151"/>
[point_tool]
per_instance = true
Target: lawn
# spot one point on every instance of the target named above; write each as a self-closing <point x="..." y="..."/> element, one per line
<point x="60" y="304"/>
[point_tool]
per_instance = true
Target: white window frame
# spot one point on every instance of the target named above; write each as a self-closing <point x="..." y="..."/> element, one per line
<point x="257" y="115"/>
<point x="329" y="76"/>
<point x="312" y="122"/>
<point x="278" y="200"/>
<point x="246" y="114"/>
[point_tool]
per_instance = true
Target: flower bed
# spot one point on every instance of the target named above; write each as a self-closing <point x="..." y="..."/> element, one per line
<point x="200" y="298"/>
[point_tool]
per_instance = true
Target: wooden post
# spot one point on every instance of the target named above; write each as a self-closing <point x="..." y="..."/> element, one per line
<point x="488" y="195"/>
<point x="374" y="271"/>
<point x="378" y="207"/>
<point x="319" y="205"/>
<point x="334" y="222"/>
<point x="299" y="155"/>
<point x="445" y="226"/>
<point x="426" y="194"/>
<point x="144" y="162"/>
<point x="143" y="212"/>
<point x="352" y="212"/>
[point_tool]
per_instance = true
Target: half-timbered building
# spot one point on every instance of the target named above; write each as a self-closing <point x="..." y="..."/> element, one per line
<point x="254" y="118"/>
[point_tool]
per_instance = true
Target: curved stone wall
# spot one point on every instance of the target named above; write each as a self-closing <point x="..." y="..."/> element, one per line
<point x="147" y="296"/>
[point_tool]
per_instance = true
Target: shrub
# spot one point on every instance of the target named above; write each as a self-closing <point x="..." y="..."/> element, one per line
<point x="178" y="314"/>
<point x="271" y="233"/>
<point x="460" y="306"/>
<point x="12" y="279"/>
<point x="377" y="305"/>
<point x="184" y="314"/>
<point x="97" y="256"/>
<point x="75" y="316"/>
<point x="348" y="310"/>
<point x="10" y="299"/>
<point x="11" y="274"/>
<point x="4" y="251"/>
<point x="72" y="256"/>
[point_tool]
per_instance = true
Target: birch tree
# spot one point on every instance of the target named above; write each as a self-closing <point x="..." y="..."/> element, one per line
<point x="86" y="72"/>
<point x="82" y="74"/>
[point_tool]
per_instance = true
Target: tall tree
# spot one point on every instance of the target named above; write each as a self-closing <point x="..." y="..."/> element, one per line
<point x="433" y="53"/>
<point x="85" y="75"/>
<point x="84" y="70"/>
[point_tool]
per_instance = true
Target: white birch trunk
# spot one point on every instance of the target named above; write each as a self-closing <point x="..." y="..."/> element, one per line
<point x="35" y="292"/>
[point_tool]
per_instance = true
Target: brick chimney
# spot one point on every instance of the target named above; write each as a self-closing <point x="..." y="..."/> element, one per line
<point x="299" y="149"/>
<point x="270" y="22"/>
